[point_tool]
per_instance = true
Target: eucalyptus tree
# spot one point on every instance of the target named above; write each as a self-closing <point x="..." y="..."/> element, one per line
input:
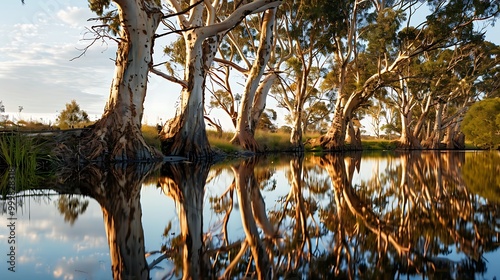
<point x="117" y="135"/>
<point x="364" y="57"/>
<point x="202" y="31"/>
<point x="472" y="69"/>
<point x="304" y="41"/>
<point x="254" y="37"/>
<point x="255" y="92"/>
<point x="437" y="87"/>
<point x="388" y="47"/>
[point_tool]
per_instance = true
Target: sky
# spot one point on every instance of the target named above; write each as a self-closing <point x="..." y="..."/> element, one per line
<point x="38" y="44"/>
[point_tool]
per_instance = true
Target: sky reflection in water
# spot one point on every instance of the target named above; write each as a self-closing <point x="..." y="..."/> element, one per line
<point x="48" y="247"/>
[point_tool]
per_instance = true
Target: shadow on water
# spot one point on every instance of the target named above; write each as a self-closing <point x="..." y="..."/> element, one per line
<point x="304" y="217"/>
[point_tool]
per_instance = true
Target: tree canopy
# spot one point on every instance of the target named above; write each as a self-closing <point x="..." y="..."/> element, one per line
<point x="72" y="116"/>
<point x="481" y="124"/>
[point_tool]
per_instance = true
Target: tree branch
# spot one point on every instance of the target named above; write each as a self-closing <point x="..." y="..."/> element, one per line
<point x="168" y="77"/>
<point x="237" y="16"/>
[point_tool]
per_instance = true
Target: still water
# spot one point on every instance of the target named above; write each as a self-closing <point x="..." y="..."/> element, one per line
<point x="362" y="216"/>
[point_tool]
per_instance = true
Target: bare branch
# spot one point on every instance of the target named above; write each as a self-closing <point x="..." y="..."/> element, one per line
<point x="100" y="34"/>
<point x="168" y="77"/>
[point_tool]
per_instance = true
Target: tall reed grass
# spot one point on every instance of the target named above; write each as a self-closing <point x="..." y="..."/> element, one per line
<point x="18" y="151"/>
<point x="21" y="160"/>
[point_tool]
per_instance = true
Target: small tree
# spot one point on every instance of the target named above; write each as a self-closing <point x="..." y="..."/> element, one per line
<point x="72" y="116"/>
<point x="481" y="124"/>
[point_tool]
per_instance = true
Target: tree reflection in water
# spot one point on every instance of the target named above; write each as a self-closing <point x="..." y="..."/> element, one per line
<point x="406" y="217"/>
<point x="117" y="189"/>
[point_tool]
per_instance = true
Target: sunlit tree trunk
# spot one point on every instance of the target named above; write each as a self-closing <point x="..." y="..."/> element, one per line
<point x="185" y="134"/>
<point x="334" y="139"/>
<point x="406" y="140"/>
<point x="244" y="135"/>
<point x="296" y="134"/>
<point x="259" y="102"/>
<point x="117" y="135"/>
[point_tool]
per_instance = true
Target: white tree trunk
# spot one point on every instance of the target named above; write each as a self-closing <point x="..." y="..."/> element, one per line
<point x="244" y="130"/>
<point x="117" y="136"/>
<point x="185" y="135"/>
<point x="259" y="101"/>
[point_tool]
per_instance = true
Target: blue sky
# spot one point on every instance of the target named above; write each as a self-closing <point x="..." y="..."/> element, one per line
<point x="38" y="41"/>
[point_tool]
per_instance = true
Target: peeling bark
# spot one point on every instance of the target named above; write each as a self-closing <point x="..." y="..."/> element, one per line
<point x="185" y="134"/>
<point x="244" y="135"/>
<point x="117" y="135"/>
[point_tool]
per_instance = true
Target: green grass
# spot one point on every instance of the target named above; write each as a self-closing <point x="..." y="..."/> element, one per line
<point x="222" y="142"/>
<point x="379" y="144"/>
<point x="22" y="161"/>
<point x="150" y="134"/>
<point x="18" y="151"/>
<point x="268" y="141"/>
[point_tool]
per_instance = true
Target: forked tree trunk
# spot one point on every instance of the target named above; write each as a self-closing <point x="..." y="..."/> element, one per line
<point x="117" y="135"/>
<point x="244" y="135"/>
<point x="334" y="139"/>
<point x="259" y="101"/>
<point x="185" y="134"/>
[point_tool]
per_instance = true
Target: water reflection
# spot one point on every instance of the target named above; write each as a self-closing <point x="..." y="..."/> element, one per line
<point x="420" y="214"/>
<point x="117" y="190"/>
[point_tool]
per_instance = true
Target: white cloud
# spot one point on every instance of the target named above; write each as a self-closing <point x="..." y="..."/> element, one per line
<point x="77" y="267"/>
<point x="42" y="78"/>
<point x="74" y="16"/>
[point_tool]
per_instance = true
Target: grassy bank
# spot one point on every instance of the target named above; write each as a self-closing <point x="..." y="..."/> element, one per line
<point x="269" y="141"/>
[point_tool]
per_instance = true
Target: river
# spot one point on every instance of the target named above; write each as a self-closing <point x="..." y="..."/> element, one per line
<point x="348" y="215"/>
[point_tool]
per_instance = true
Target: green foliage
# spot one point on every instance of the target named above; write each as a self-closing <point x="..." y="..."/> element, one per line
<point x="107" y="14"/>
<point x="176" y="52"/>
<point x="266" y="120"/>
<point x="481" y="124"/>
<point x="72" y="116"/>
<point x="150" y="134"/>
<point x="381" y="34"/>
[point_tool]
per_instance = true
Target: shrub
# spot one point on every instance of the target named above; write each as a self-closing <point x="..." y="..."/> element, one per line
<point x="481" y="124"/>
